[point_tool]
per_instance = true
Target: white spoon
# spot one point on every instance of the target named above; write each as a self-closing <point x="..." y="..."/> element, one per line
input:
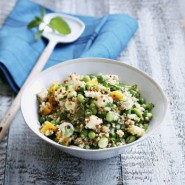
<point x="77" y="27"/>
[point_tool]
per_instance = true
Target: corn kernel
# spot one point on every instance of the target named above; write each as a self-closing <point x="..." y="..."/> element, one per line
<point x="116" y="95"/>
<point x="47" y="109"/>
<point x="58" y="135"/>
<point x="53" y="87"/>
<point x="93" y="82"/>
<point x="48" y="126"/>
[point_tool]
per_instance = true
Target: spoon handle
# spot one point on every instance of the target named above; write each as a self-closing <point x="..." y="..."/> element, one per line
<point x="13" y="109"/>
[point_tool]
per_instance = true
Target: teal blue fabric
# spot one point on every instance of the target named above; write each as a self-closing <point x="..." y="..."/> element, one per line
<point x="103" y="37"/>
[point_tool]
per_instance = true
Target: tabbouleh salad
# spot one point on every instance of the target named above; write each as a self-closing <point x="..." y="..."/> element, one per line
<point x="93" y="112"/>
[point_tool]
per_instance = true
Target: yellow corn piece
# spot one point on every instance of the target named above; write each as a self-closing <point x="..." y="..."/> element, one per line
<point x="48" y="126"/>
<point x="47" y="109"/>
<point x="58" y="135"/>
<point x="66" y="141"/>
<point x="53" y="87"/>
<point x="93" y="82"/>
<point x="116" y="95"/>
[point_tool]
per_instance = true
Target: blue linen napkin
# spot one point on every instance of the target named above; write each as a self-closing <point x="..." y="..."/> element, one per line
<point x="103" y="37"/>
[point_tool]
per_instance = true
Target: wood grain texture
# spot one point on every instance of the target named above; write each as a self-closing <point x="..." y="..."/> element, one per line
<point x="158" y="48"/>
<point x="5" y="101"/>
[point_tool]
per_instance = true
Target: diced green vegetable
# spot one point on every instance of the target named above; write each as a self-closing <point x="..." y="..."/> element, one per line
<point x="103" y="142"/>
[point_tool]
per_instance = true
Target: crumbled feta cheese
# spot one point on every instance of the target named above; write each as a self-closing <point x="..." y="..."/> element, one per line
<point x="43" y="105"/>
<point x="60" y="94"/>
<point x="73" y="77"/>
<point x="135" y="130"/>
<point x="78" y="84"/>
<point x="42" y="96"/>
<point x="72" y="94"/>
<point x="103" y="88"/>
<point x="70" y="105"/>
<point x="120" y="133"/>
<point x="103" y="100"/>
<point x="132" y="116"/>
<point x="92" y="94"/>
<point x="112" y="79"/>
<point x="49" y="132"/>
<point x="92" y="121"/>
<point x="127" y="103"/>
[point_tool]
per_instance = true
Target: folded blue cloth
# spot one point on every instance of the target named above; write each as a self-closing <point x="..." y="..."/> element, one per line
<point x="103" y="37"/>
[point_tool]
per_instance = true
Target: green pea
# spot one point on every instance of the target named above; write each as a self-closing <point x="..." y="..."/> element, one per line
<point x="110" y="116"/>
<point x="141" y="101"/>
<point x="149" y="106"/>
<point x="42" y="119"/>
<point x="86" y="78"/>
<point x="80" y="98"/>
<point x="137" y="112"/>
<point x="91" y="135"/>
<point x="103" y="142"/>
<point x="130" y="139"/>
<point x="82" y="88"/>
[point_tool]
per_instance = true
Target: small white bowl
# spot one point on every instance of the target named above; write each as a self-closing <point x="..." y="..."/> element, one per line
<point x="149" y="89"/>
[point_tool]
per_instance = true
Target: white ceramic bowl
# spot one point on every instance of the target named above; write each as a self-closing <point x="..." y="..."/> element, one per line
<point x="150" y="90"/>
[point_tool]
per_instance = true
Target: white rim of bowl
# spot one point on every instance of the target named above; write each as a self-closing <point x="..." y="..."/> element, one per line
<point x="103" y="60"/>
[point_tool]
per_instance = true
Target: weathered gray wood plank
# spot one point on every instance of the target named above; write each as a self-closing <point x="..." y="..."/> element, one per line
<point x="5" y="101"/>
<point x="32" y="161"/>
<point x="158" y="49"/>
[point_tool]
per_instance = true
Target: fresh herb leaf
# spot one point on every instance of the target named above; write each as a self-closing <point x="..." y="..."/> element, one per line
<point x="43" y="11"/>
<point x="60" y="25"/>
<point x="57" y="24"/>
<point x="34" y="23"/>
<point x="38" y="34"/>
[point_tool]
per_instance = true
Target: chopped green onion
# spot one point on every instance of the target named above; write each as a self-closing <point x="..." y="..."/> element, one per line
<point x="103" y="142"/>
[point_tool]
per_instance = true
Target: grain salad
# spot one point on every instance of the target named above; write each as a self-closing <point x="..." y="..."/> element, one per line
<point x="93" y="112"/>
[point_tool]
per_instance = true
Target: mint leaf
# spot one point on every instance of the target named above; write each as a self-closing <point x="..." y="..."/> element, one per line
<point x="34" y="23"/>
<point x="60" y="25"/>
<point x="38" y="19"/>
<point x="43" y="11"/>
<point x="38" y="34"/>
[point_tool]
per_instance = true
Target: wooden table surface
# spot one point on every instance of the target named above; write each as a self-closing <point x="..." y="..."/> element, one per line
<point x="158" y="48"/>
